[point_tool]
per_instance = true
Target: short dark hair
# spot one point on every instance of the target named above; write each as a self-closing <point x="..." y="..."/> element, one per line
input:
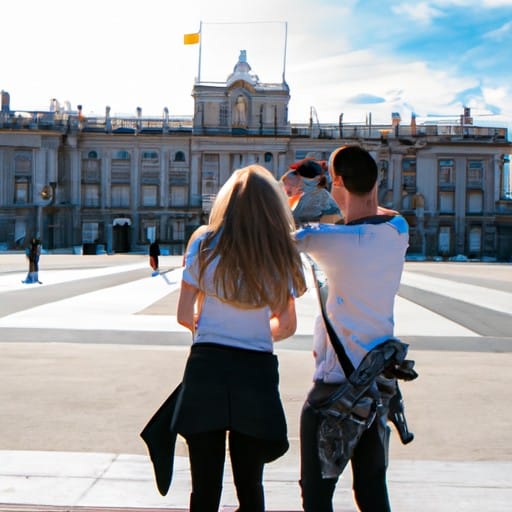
<point x="357" y="168"/>
<point x="308" y="168"/>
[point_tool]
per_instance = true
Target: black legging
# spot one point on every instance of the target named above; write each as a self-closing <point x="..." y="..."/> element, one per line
<point x="207" y="453"/>
<point x="368" y="470"/>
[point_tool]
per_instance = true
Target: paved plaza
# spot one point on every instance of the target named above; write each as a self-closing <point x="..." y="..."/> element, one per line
<point x="89" y="355"/>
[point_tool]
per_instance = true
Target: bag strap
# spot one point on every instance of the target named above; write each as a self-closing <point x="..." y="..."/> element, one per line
<point x="346" y="364"/>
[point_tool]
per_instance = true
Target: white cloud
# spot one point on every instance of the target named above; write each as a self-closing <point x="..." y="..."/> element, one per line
<point x="503" y="32"/>
<point x="422" y="12"/>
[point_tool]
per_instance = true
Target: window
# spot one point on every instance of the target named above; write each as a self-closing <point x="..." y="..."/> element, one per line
<point x="179" y="156"/>
<point x="210" y="173"/>
<point x="444" y="239"/>
<point x="475" y="202"/>
<point x="20" y="232"/>
<point x="300" y="154"/>
<point x="91" y="195"/>
<point x="150" y="155"/>
<point x="223" y="114"/>
<point x="149" y="195"/>
<point x="446" y="173"/>
<point x="122" y="155"/>
<point x="475" y="173"/>
<point x="120" y="196"/>
<point x="383" y="174"/>
<point x="236" y="161"/>
<point x="150" y="232"/>
<point x="475" y="240"/>
<point x="268" y="157"/>
<point x="409" y="175"/>
<point x="92" y="155"/>
<point x="446" y="169"/>
<point x="22" y="190"/>
<point x="90" y="232"/>
<point x="91" y="171"/>
<point x="178" y="229"/>
<point x="446" y="202"/>
<point x="178" y="196"/>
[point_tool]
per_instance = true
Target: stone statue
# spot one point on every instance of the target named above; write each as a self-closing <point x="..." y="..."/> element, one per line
<point x="240" y="111"/>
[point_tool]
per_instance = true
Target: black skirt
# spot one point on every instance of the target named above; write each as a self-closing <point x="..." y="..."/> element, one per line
<point x="227" y="388"/>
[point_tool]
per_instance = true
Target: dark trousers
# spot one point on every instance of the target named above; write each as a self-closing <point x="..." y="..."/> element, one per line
<point x="207" y="453"/>
<point x="368" y="470"/>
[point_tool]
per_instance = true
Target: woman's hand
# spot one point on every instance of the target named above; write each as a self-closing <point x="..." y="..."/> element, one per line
<point x="186" y="311"/>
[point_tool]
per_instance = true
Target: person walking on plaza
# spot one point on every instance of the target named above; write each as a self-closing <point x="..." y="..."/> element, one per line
<point x="33" y="254"/>
<point x="362" y="261"/>
<point x="154" y="253"/>
<point x="241" y="276"/>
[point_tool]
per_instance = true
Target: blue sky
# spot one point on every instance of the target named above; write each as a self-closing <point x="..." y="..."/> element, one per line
<point x="342" y="56"/>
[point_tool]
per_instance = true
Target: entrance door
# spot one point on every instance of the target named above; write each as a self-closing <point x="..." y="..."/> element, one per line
<point x="121" y="238"/>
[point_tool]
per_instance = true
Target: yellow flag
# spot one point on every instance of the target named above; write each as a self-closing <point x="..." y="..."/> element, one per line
<point x="191" y="38"/>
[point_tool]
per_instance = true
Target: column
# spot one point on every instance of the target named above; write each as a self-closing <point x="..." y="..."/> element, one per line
<point x="164" y="179"/>
<point x="134" y="196"/>
<point x="195" y="185"/>
<point x="460" y="205"/>
<point x="224" y="168"/>
<point x="281" y="164"/>
<point x="105" y="180"/>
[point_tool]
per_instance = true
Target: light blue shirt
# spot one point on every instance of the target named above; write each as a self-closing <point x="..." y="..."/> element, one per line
<point x="221" y="322"/>
<point x="363" y="265"/>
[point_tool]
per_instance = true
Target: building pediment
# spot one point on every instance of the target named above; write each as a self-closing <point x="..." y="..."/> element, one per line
<point x="241" y="84"/>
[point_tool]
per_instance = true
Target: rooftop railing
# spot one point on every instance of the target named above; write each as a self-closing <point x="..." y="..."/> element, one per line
<point x="74" y="122"/>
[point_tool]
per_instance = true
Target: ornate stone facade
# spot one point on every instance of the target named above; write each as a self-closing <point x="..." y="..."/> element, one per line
<point x="113" y="183"/>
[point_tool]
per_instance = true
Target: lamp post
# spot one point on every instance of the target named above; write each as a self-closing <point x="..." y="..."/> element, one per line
<point x="47" y="194"/>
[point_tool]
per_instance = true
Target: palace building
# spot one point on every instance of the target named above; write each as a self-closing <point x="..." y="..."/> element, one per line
<point x="114" y="183"/>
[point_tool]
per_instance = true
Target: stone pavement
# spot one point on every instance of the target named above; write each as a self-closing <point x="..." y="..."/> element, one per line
<point x="82" y="368"/>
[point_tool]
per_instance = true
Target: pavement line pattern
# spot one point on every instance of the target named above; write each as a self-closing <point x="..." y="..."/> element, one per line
<point x="118" y="307"/>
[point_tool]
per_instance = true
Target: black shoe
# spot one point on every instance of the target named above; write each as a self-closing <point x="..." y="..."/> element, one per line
<point x="40" y="282"/>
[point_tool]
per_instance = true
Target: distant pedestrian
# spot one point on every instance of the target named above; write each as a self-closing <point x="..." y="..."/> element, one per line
<point x="33" y="253"/>
<point x="154" y="252"/>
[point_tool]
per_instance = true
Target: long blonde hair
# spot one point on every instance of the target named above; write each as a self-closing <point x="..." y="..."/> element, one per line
<point x="258" y="262"/>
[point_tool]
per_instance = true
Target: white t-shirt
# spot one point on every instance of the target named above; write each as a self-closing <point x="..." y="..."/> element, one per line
<point x="363" y="265"/>
<point x="221" y="322"/>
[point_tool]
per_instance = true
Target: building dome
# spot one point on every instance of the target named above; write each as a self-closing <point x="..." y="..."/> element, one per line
<point x="242" y="71"/>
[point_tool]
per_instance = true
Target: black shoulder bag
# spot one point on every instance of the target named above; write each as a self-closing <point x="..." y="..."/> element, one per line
<point x="351" y="408"/>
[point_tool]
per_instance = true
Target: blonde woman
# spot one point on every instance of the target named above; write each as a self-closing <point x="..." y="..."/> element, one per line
<point x="242" y="272"/>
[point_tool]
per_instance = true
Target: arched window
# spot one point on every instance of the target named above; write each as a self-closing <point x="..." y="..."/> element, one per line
<point x="179" y="156"/>
<point x="268" y="157"/>
<point x="122" y="155"/>
<point x="92" y="155"/>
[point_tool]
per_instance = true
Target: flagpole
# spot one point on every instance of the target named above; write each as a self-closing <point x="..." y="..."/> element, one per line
<point x="285" y="45"/>
<point x="200" y="43"/>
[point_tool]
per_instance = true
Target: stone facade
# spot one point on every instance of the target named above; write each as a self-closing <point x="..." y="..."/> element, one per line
<point x="114" y="183"/>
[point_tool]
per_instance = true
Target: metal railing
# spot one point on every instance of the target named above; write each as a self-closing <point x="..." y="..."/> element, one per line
<point x="75" y="122"/>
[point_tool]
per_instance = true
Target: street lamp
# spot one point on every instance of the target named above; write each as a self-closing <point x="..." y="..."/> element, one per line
<point x="47" y="194"/>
